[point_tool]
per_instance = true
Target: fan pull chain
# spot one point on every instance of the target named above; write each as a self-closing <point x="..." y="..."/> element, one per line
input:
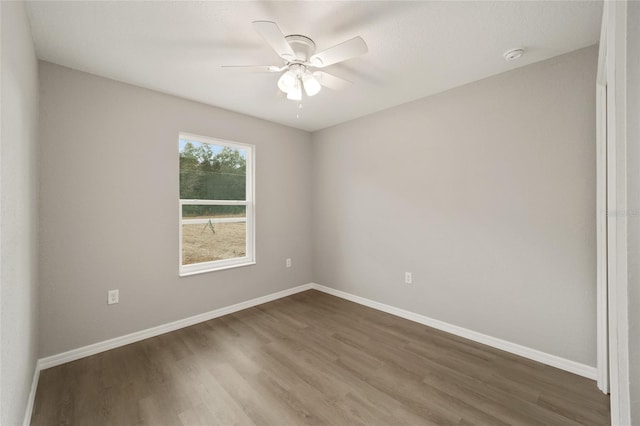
<point x="299" y="108"/>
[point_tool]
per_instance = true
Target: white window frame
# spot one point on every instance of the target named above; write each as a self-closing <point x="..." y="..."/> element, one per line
<point x="249" y="203"/>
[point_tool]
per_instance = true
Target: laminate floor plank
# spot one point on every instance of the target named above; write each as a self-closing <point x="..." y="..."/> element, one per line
<point x="313" y="359"/>
<point x="501" y="404"/>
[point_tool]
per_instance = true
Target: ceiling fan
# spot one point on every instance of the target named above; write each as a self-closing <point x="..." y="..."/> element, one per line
<point x="300" y="61"/>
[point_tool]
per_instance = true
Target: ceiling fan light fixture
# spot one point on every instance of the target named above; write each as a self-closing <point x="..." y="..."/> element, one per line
<point x="287" y="81"/>
<point x="295" y="93"/>
<point x="311" y="84"/>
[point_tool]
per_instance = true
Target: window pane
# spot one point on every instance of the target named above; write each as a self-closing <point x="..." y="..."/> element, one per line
<point x="212" y="172"/>
<point x="213" y="233"/>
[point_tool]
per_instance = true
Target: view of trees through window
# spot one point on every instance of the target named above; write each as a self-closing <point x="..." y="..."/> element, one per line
<point x="211" y="172"/>
<point x="212" y="231"/>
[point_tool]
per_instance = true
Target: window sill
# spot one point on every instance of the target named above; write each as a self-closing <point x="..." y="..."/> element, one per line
<point x="214" y="269"/>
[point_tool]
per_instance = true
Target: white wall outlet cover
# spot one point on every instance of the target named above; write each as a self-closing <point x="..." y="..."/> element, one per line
<point x="288" y="263"/>
<point x="408" y="277"/>
<point x="113" y="297"/>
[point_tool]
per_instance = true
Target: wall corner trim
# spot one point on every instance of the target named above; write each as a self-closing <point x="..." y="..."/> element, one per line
<point x="526" y="352"/>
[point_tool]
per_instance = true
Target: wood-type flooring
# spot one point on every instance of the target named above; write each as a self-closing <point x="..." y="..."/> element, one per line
<point x="313" y="359"/>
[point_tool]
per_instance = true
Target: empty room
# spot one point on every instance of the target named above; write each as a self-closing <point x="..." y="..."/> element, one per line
<point x="319" y="213"/>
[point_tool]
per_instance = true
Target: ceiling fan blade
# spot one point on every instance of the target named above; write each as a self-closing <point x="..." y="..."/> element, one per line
<point x="274" y="37"/>
<point x="331" y="81"/>
<point x="340" y="52"/>
<point x="255" y="68"/>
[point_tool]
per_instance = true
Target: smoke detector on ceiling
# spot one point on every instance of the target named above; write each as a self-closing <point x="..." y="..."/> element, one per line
<point x="513" y="54"/>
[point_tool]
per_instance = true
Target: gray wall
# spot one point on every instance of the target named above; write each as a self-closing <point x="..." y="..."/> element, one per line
<point x="633" y="182"/>
<point x="109" y="209"/>
<point x="18" y="200"/>
<point x="485" y="192"/>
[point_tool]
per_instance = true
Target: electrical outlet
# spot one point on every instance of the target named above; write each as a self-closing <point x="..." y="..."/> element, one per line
<point x="113" y="297"/>
<point x="408" y="278"/>
<point x="287" y="263"/>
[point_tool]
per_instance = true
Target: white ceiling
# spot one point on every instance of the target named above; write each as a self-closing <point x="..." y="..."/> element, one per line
<point x="415" y="48"/>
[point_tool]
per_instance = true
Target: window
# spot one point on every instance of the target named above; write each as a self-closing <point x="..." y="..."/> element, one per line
<point x="216" y="204"/>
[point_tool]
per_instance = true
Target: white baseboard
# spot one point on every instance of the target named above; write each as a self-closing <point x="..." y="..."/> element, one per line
<point x="32" y="395"/>
<point x="74" y="354"/>
<point x="533" y="354"/>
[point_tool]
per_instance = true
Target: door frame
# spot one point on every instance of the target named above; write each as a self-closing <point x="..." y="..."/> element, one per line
<point x="611" y="156"/>
<point x="601" y="213"/>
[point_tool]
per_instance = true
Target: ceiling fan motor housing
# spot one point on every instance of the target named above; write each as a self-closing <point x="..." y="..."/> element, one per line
<point x="302" y="46"/>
